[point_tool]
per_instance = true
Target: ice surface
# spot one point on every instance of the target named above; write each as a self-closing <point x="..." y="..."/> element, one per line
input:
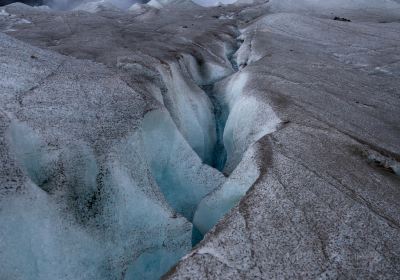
<point x="213" y="207"/>
<point x="208" y="3"/>
<point x="3" y="13"/>
<point x="179" y="172"/>
<point x="42" y="244"/>
<point x="122" y="182"/>
<point x="296" y="5"/>
<point x="240" y="131"/>
<point x="89" y="5"/>
<point x="190" y="109"/>
<point x="95" y="6"/>
<point x="208" y="72"/>
<point x="73" y="208"/>
<point x="241" y="112"/>
<point x="364" y="10"/>
<point x="38" y="160"/>
<point x="106" y="222"/>
<point x="319" y="186"/>
<point x="108" y="169"/>
<point x="153" y="264"/>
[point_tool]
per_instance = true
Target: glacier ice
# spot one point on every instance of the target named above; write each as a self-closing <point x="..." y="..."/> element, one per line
<point x="153" y="264"/>
<point x="216" y="204"/>
<point x="110" y="202"/>
<point x="38" y="160"/>
<point x="190" y="109"/>
<point x="179" y="172"/>
<point x="241" y="112"/>
<point x="240" y="132"/>
<point x="129" y="186"/>
<point x="365" y="10"/>
<point x="238" y="112"/>
<point x="295" y="5"/>
<point x="41" y="244"/>
<point x="95" y="6"/>
<point x="89" y="5"/>
<point x="208" y="3"/>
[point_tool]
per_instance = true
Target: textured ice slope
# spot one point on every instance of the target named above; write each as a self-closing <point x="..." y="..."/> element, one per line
<point x="75" y="185"/>
<point x="322" y="208"/>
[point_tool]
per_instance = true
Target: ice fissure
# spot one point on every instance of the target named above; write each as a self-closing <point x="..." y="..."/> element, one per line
<point x="129" y="136"/>
<point x="158" y="187"/>
<point x="209" y="113"/>
<point x="200" y="145"/>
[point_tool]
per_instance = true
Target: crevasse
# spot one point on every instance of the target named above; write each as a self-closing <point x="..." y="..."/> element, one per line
<point x="216" y="119"/>
<point x="155" y="193"/>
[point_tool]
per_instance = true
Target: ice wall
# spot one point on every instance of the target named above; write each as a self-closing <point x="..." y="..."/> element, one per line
<point x="215" y="205"/>
<point x="81" y="217"/>
<point x="179" y="172"/>
<point x="190" y="109"/>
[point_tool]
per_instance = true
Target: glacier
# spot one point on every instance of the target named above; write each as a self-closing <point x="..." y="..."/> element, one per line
<point x="136" y="186"/>
<point x="247" y="140"/>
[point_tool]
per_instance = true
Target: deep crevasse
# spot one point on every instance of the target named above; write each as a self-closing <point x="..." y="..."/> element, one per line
<point x="160" y="171"/>
<point x="200" y="193"/>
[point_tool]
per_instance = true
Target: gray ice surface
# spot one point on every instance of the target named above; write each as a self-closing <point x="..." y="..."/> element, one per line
<point x="127" y="134"/>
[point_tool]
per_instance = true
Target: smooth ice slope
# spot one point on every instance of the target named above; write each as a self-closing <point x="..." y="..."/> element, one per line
<point x="246" y="118"/>
<point x="215" y="205"/>
<point x="190" y="109"/>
